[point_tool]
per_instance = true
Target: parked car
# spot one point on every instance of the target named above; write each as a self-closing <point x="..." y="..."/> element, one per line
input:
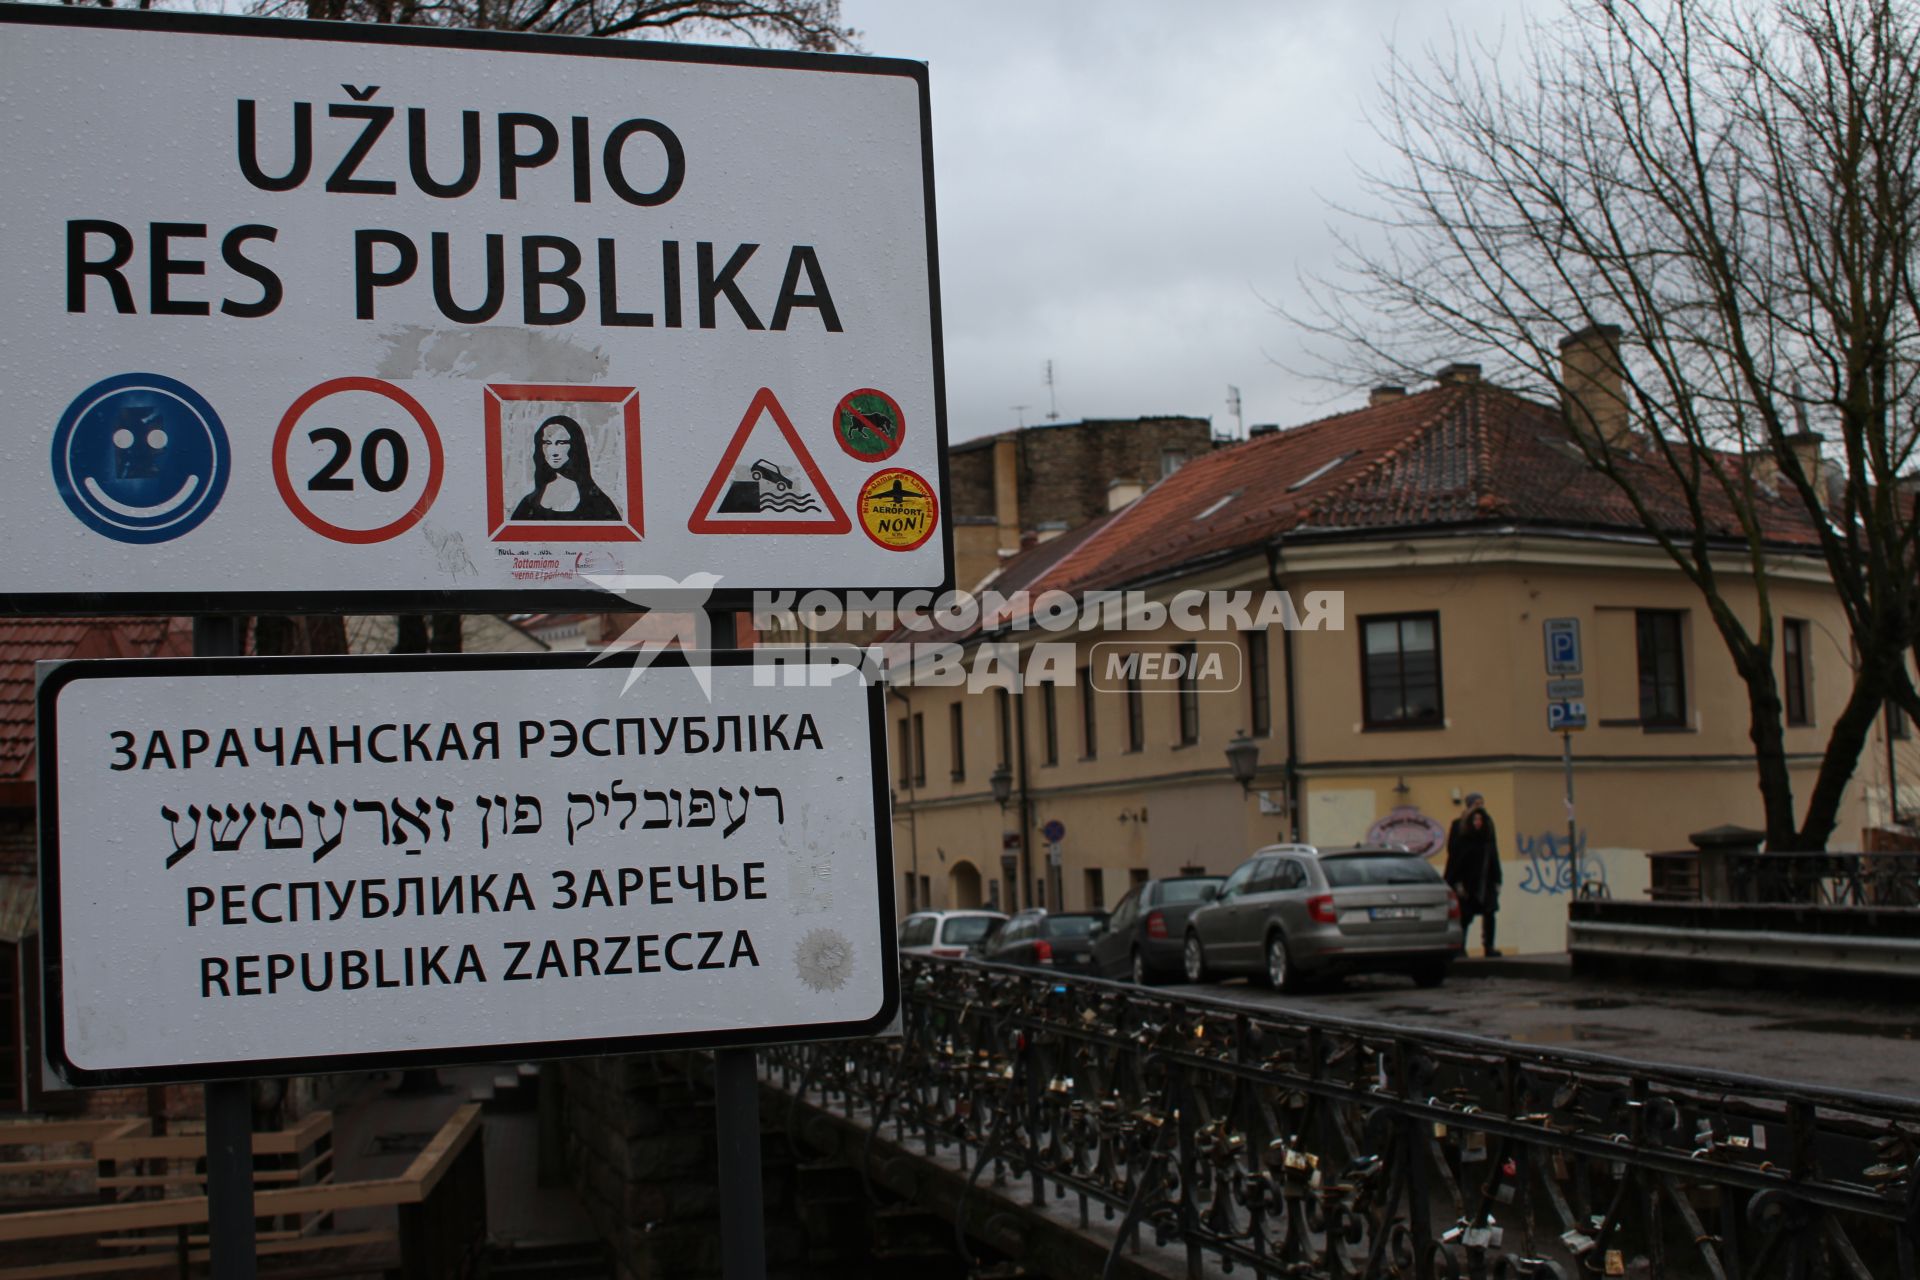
<point x="1145" y="930"/>
<point x="1292" y="911"/>
<point x="1060" y="941"/>
<point x="950" y="934"/>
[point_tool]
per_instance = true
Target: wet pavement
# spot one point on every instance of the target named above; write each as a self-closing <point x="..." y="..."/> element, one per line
<point x="1870" y="1043"/>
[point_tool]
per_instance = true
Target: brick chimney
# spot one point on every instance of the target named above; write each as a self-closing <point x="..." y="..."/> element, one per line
<point x="1006" y="490"/>
<point x="1458" y="374"/>
<point x="1386" y="395"/>
<point x="1121" y="493"/>
<point x="1593" y="385"/>
<point x="1805" y="445"/>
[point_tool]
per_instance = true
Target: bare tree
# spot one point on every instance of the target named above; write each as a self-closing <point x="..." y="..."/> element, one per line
<point x="1736" y="186"/>
<point x="801" y="24"/>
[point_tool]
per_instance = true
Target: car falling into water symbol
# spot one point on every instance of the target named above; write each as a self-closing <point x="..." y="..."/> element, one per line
<point x="764" y="470"/>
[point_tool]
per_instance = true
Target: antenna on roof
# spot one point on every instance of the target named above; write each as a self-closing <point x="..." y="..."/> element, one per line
<point x="1053" y="410"/>
<point x="1233" y="407"/>
<point x="1021" y="410"/>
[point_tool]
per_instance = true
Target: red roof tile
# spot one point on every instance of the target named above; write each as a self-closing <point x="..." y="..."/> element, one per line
<point x="1453" y="456"/>
<point x="24" y="641"/>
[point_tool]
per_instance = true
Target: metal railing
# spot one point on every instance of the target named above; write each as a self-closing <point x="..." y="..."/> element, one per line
<point x="1296" y="1145"/>
<point x="1826" y="879"/>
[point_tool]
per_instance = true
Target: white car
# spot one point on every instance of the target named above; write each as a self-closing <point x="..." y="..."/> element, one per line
<point x="949" y="934"/>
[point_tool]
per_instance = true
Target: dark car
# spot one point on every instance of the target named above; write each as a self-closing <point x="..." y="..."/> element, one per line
<point x="1292" y="911"/>
<point x="1063" y="942"/>
<point x="1144" y="932"/>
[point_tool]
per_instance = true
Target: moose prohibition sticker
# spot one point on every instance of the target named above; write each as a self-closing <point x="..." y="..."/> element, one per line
<point x="869" y="425"/>
<point x="898" y="509"/>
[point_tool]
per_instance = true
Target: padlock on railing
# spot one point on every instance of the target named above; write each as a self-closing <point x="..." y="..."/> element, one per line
<point x="1577" y="1242"/>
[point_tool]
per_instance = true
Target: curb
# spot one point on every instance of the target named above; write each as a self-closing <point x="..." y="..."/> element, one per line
<point x="1552" y="966"/>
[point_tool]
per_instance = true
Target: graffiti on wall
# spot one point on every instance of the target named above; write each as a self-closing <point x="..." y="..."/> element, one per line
<point x="1549" y="862"/>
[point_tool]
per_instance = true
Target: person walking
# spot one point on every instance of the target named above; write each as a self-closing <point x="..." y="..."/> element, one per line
<point x="1473" y="869"/>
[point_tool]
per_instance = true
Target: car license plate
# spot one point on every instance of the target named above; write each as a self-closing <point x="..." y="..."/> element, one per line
<point x="1395" y="913"/>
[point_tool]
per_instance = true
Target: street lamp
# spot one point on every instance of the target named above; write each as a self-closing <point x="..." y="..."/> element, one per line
<point x="1002" y="783"/>
<point x="1243" y="757"/>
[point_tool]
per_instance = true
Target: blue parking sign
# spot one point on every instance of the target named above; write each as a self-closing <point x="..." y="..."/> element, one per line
<point x="1563" y="646"/>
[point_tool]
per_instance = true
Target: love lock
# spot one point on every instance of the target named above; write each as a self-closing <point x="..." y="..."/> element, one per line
<point x="1577" y="1242"/>
<point x="1487" y="1237"/>
<point x="1509" y="1174"/>
<point x="1474" y="1146"/>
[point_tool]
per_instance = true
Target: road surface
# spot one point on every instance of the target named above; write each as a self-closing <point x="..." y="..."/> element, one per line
<point x="1870" y="1043"/>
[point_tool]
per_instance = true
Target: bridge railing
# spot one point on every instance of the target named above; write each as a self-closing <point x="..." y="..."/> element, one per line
<point x="1295" y="1145"/>
<point x="1835" y="879"/>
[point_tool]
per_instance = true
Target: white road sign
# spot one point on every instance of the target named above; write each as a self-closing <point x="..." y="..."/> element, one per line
<point x="330" y="315"/>
<point x="312" y="864"/>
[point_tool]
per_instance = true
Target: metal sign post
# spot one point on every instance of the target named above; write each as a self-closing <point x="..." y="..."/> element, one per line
<point x="228" y="1103"/>
<point x="1573" y="839"/>
<point x="736" y="1101"/>
<point x="1566" y="712"/>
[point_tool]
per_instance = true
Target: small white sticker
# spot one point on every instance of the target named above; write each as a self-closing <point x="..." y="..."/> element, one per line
<point x="824" y="960"/>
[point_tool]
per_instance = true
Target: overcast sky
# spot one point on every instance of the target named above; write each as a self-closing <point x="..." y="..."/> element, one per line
<point x="1123" y="184"/>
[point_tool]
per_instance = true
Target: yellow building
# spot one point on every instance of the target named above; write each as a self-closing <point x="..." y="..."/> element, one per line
<point x="1423" y="542"/>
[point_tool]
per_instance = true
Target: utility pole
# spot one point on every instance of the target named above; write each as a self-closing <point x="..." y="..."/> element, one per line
<point x="1053" y="409"/>
<point x="1233" y="407"/>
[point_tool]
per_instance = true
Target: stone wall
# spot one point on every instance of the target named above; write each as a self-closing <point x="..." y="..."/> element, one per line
<point x="640" y="1153"/>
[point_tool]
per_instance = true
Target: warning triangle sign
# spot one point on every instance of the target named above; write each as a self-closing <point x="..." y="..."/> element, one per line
<point x="774" y="486"/>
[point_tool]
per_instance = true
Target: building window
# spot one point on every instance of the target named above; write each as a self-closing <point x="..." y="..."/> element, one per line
<point x="1794" y="635"/>
<point x="1400" y="665"/>
<point x="1089" y="741"/>
<point x="1136" y="715"/>
<point x="1171" y="460"/>
<point x="904" y="737"/>
<point x="1189" y="694"/>
<point x="926" y="893"/>
<point x="1136" y="876"/>
<point x="1003" y="721"/>
<point x="1050" y="722"/>
<point x="1663" y="689"/>
<point x="919" y="750"/>
<point x="1096" y="889"/>
<point x="913" y="893"/>
<point x="957" y="739"/>
<point x="1259" y="696"/>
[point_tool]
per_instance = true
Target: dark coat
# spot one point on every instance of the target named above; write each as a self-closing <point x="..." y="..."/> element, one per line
<point x="1473" y="858"/>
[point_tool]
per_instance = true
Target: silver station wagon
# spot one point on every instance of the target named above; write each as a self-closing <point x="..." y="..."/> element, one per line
<point x="1292" y="911"/>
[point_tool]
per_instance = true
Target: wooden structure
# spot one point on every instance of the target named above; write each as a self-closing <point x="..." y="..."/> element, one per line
<point x="152" y="1210"/>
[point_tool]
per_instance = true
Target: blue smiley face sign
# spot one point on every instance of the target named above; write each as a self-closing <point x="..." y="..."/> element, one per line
<point x="140" y="458"/>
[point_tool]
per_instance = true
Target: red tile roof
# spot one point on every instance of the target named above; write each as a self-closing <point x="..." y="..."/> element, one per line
<point x="24" y="641"/>
<point x="1455" y="456"/>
